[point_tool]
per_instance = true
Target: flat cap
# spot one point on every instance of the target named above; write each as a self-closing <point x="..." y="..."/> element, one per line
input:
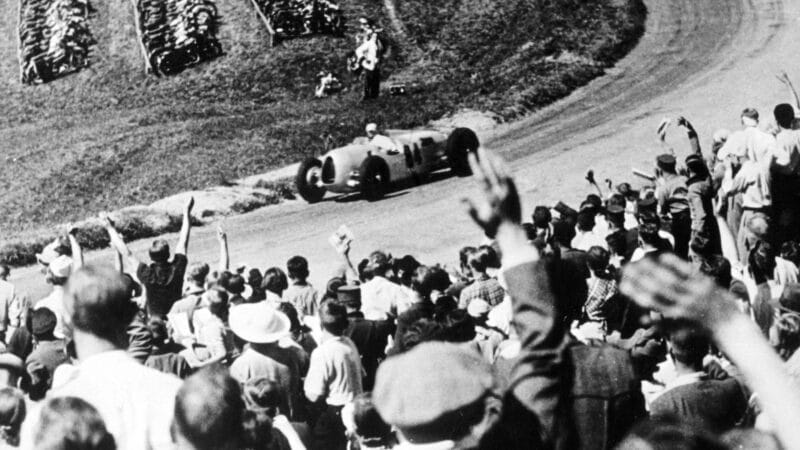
<point x="665" y="160"/>
<point x="349" y="295"/>
<point x="615" y="210"/>
<point x="447" y="377"/>
<point x="647" y="203"/>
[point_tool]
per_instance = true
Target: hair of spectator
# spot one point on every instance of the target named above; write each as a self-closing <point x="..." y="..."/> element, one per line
<point x="70" y="422"/>
<point x="370" y="427"/>
<point x="541" y="216"/>
<point x="463" y="255"/>
<point x="443" y="306"/>
<point x="291" y="312"/>
<point x="784" y="115"/>
<point x="481" y="259"/>
<point x="458" y="326"/>
<point x="423" y="330"/>
<point x="333" y="318"/>
<point x="235" y="284"/>
<point x="762" y="262"/>
<point x="275" y="281"/>
<point x="688" y="345"/>
<point x="719" y="269"/>
<point x="597" y="258"/>
<point x="209" y="410"/>
<point x="197" y="273"/>
<point x="159" y="251"/>
<point x="44" y="314"/>
<point x="787" y="334"/>
<point x="429" y="279"/>
<point x="617" y="244"/>
<point x="12" y="414"/>
<point x="297" y="268"/>
<point x="255" y="278"/>
<point x="379" y="263"/>
<point x="217" y="300"/>
<point x="586" y="220"/>
<point x="99" y="302"/>
<point x="563" y="233"/>
<point x="750" y="113"/>
<point x="158" y="331"/>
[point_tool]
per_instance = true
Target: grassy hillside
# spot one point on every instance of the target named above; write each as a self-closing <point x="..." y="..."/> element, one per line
<point x="111" y="136"/>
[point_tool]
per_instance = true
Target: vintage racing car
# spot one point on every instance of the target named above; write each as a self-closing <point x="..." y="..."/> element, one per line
<point x="364" y="166"/>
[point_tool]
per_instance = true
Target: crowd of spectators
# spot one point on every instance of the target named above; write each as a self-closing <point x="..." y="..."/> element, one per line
<point x="661" y="317"/>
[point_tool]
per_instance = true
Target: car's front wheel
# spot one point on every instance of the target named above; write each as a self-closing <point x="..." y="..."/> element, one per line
<point x="374" y="178"/>
<point x="306" y="180"/>
<point x="459" y="144"/>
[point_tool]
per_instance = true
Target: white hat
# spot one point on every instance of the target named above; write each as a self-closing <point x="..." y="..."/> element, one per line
<point x="371" y="127"/>
<point x="48" y="253"/>
<point x="259" y="323"/>
<point x="61" y="267"/>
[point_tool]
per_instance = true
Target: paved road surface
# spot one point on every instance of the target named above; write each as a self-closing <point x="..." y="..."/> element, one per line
<point x="706" y="59"/>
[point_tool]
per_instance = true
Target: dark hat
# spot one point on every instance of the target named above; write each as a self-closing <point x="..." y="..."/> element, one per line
<point x="446" y="378"/>
<point x="790" y="298"/>
<point x="665" y="161"/>
<point x="695" y="163"/>
<point x="43" y="321"/>
<point x="565" y="210"/>
<point x="647" y="204"/>
<point x="615" y="211"/>
<point x="334" y="284"/>
<point x="349" y="295"/>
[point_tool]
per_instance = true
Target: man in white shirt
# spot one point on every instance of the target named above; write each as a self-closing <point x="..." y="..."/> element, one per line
<point x="334" y="377"/>
<point x="380" y="297"/>
<point x="135" y="402"/>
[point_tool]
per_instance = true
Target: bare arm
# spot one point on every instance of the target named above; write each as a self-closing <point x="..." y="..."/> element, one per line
<point x="224" y="256"/>
<point x="77" y="251"/>
<point x="119" y="262"/>
<point x="118" y="243"/>
<point x="186" y="227"/>
<point x="350" y="271"/>
<point x="784" y="78"/>
<point x="670" y="286"/>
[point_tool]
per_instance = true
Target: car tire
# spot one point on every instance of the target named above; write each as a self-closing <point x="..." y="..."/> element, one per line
<point x="305" y="181"/>
<point x="374" y="178"/>
<point x="459" y="144"/>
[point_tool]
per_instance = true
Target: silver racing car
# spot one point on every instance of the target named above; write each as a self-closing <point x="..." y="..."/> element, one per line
<point x="373" y="165"/>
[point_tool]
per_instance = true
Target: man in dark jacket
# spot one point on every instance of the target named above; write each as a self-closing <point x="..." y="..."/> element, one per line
<point x="370" y="336"/>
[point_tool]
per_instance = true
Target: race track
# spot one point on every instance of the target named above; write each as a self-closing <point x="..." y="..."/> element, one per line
<point x="705" y="59"/>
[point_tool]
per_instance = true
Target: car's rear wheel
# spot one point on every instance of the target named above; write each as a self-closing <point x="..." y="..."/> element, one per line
<point x="459" y="144"/>
<point x="306" y="180"/>
<point x="374" y="178"/>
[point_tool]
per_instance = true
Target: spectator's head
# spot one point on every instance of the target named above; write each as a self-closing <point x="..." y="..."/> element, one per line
<point x="669" y="433"/>
<point x="628" y="192"/>
<point x="197" y="273"/>
<point x="665" y="163"/>
<point x="4" y="272"/>
<point x="615" y="214"/>
<point x="265" y="395"/>
<point x="404" y="269"/>
<point x="333" y="318"/>
<point x="275" y="281"/>
<point x="494" y="255"/>
<point x="598" y="258"/>
<point x="784" y="334"/>
<point x="333" y="286"/>
<point x="364" y="272"/>
<point x="431" y="282"/>
<point x="235" y="284"/>
<point x="480" y="260"/>
<point x="371" y="130"/>
<point x="563" y="233"/>
<point x="718" y="268"/>
<point x="349" y="296"/>
<point x="159" y="333"/>
<point x="71" y="423"/>
<point x="59" y="270"/>
<point x="784" y="115"/>
<point x="791" y="251"/>
<point x="648" y="234"/>
<point x="43" y="324"/>
<point x="696" y="166"/>
<point x="647" y="205"/>
<point x="595" y="201"/>
<point x="761" y="262"/>
<point x="586" y="220"/>
<point x="259" y="323"/>
<point x="451" y="397"/>
<point x="617" y="244"/>
<point x="541" y="216"/>
<point x="750" y="117"/>
<point x="59" y="247"/>
<point x="208" y="411"/>
<point x="422" y="330"/>
<point x="458" y="326"/>
<point x="217" y="300"/>
<point x="99" y="304"/>
<point x="297" y="268"/>
<point x="12" y="413"/>
<point x="379" y="264"/>
<point x="369" y="427"/>
<point x="443" y="306"/>
<point x="463" y="257"/>
<point x="688" y="346"/>
<point x="255" y="278"/>
<point x="159" y="251"/>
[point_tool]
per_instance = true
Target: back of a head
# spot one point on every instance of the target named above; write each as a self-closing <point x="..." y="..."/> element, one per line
<point x="275" y="281"/>
<point x="648" y="233"/>
<point x="43" y="323"/>
<point x="429" y="279"/>
<point x="762" y="261"/>
<point x="688" y="344"/>
<point x="158" y="331"/>
<point x="217" y="300"/>
<point x="12" y="413"/>
<point x="463" y="254"/>
<point x="597" y="258"/>
<point x="208" y="411"/>
<point x="370" y="427"/>
<point x="379" y="263"/>
<point x="719" y="268"/>
<point x="669" y="434"/>
<point x="297" y="268"/>
<point x="197" y="273"/>
<point x="159" y="251"/>
<point x="786" y="339"/>
<point x="791" y="252"/>
<point x="264" y="394"/>
<point x="563" y="233"/>
<point x="333" y="318"/>
<point x="70" y="423"/>
<point x="586" y="220"/>
<point x="235" y="284"/>
<point x="291" y="312"/>
<point x="480" y="260"/>
<point x="784" y="115"/>
<point x="99" y="302"/>
<point x="617" y="243"/>
<point x="255" y="278"/>
<point x="750" y="116"/>
<point x="458" y="326"/>
<point x="541" y="216"/>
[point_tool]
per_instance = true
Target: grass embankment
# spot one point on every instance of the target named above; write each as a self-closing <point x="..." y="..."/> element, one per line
<point x="111" y="136"/>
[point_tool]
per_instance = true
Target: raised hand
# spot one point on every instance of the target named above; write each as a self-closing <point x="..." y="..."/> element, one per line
<point x="783" y="77"/>
<point x="590" y="177"/>
<point x="189" y="205"/>
<point x="669" y="286"/>
<point x="499" y="201"/>
<point x="105" y="219"/>
<point x="683" y="122"/>
<point x="221" y="233"/>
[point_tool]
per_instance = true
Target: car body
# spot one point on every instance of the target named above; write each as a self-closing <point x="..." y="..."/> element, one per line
<point x="364" y="166"/>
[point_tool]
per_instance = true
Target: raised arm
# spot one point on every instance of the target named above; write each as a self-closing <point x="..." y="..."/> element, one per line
<point x="784" y="78"/>
<point x="671" y="287"/>
<point x="186" y="227"/>
<point x="344" y="252"/>
<point x="536" y="377"/>
<point x="694" y="140"/>
<point x="224" y="256"/>
<point x="77" y="251"/>
<point x="118" y="243"/>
